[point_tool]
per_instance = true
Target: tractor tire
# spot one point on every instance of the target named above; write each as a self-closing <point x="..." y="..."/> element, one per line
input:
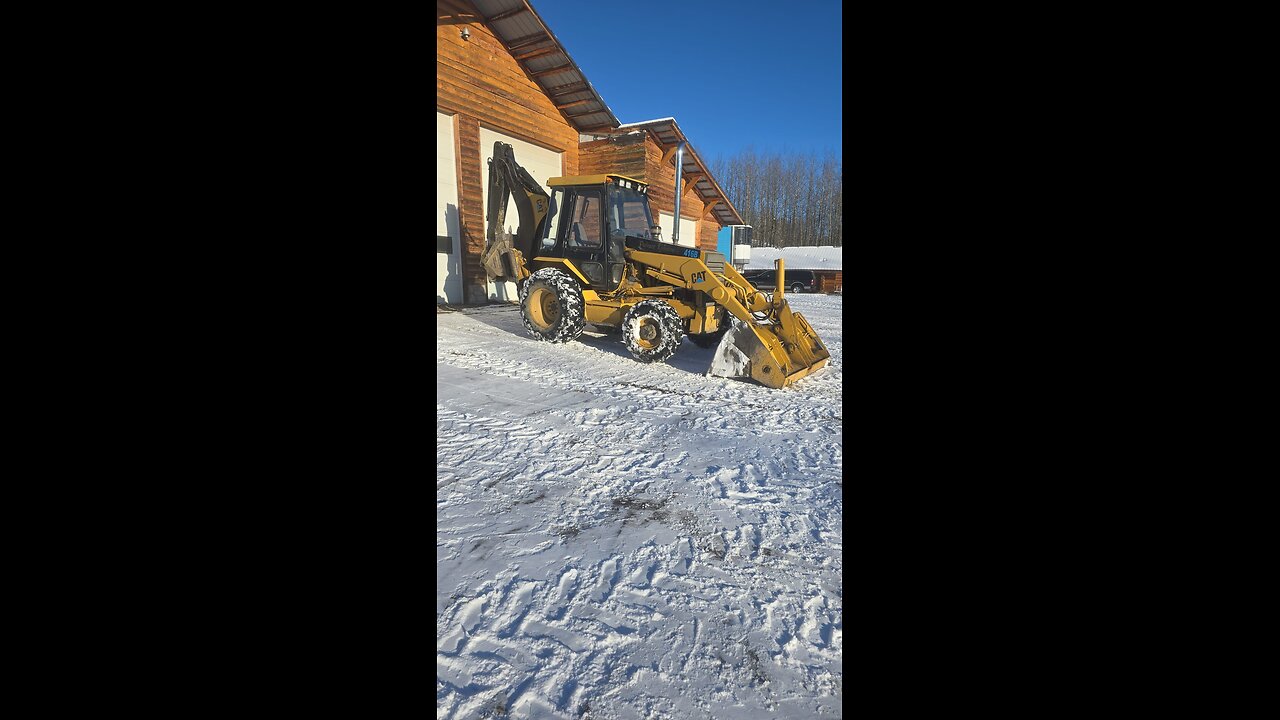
<point x="652" y="331"/>
<point x="551" y="306"/>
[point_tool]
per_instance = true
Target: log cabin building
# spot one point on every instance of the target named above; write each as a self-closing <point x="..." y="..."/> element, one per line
<point x="502" y="75"/>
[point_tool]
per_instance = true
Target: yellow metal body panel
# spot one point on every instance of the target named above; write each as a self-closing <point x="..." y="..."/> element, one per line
<point x="655" y="290"/>
<point x="561" y="263"/>
<point x="706" y="320"/>
<point x="605" y="312"/>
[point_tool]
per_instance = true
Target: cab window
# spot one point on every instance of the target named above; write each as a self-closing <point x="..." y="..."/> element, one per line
<point x="629" y="213"/>
<point x="553" y="220"/>
<point x="584" y="223"/>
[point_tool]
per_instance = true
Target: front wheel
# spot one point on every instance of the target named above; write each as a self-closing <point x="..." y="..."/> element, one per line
<point x="551" y="306"/>
<point x="652" y="331"/>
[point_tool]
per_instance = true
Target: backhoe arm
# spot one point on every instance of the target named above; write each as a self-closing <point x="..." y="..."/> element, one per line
<point x="505" y="255"/>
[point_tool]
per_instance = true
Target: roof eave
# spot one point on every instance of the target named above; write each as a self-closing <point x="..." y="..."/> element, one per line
<point x="596" y="119"/>
<point x="649" y="126"/>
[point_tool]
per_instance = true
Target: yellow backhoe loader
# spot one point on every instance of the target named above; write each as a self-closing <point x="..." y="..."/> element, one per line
<point x="589" y="252"/>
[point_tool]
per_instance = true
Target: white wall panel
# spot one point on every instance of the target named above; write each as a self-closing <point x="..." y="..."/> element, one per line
<point x="448" y="265"/>
<point x="688" y="229"/>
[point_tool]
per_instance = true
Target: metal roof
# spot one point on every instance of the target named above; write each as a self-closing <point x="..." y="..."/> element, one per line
<point x="547" y="63"/>
<point x="668" y="134"/>
<point x="821" y="257"/>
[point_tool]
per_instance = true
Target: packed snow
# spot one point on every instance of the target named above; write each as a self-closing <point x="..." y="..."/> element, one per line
<point x="621" y="540"/>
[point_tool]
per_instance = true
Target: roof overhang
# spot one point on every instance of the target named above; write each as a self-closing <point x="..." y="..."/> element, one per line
<point x="547" y="63"/>
<point x="668" y="135"/>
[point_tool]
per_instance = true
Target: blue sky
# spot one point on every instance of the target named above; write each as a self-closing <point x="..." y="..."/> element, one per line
<point x="733" y="73"/>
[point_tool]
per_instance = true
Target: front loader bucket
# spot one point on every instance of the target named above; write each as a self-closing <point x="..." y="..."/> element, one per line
<point x="773" y="354"/>
<point x="735" y="351"/>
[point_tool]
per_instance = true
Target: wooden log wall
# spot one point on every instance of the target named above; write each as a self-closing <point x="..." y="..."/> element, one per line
<point x="829" y="280"/>
<point x="708" y="234"/>
<point x="599" y="157"/>
<point x="479" y="82"/>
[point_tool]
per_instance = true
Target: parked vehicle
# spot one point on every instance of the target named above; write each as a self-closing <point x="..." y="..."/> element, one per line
<point x="797" y="280"/>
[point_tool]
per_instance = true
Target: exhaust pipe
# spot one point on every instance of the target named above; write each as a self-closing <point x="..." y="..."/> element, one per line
<point x="675" y="224"/>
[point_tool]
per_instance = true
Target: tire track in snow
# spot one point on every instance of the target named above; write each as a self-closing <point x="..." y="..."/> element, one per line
<point x="724" y="610"/>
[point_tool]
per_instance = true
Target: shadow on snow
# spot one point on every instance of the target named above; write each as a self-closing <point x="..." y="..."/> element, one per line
<point x="506" y="317"/>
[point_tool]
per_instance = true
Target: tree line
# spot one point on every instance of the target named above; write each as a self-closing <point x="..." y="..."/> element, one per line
<point x="790" y="199"/>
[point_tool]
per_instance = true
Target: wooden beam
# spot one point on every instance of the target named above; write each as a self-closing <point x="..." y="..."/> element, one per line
<point x="460" y="18"/>
<point x="537" y="53"/>
<point x="566" y="89"/>
<point x="669" y="153"/>
<point x="552" y="70"/>
<point x="599" y="127"/>
<point x="576" y="102"/>
<point x="583" y="114"/>
<point x="507" y="14"/>
<point x="711" y="204"/>
<point x="527" y="40"/>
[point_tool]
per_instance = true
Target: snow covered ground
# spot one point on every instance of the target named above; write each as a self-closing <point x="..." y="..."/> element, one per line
<point x="622" y="540"/>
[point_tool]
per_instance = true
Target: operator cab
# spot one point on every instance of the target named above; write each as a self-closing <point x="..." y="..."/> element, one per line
<point x="589" y="221"/>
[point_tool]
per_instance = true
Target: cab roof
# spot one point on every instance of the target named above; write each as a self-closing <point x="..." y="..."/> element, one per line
<point x="590" y="180"/>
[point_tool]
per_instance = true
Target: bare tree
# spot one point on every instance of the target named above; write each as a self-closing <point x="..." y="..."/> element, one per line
<point x="790" y="199"/>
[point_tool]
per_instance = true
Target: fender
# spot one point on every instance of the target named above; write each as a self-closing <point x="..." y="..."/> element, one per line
<point x="565" y="264"/>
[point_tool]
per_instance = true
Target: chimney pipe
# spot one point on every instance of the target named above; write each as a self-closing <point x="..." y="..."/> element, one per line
<point x="675" y="224"/>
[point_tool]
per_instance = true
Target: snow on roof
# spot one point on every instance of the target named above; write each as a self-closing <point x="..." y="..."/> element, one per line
<point x="646" y="122"/>
<point x="821" y="257"/>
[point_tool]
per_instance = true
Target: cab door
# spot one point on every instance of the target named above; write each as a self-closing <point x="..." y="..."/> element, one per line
<point x="582" y="230"/>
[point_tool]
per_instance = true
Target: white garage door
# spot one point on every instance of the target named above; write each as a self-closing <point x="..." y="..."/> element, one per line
<point x="688" y="229"/>
<point x="541" y="164"/>
<point x="448" y="248"/>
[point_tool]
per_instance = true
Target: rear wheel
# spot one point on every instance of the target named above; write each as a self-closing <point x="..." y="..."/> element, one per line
<point x="551" y="306"/>
<point x="652" y="331"/>
<point x="797" y="287"/>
